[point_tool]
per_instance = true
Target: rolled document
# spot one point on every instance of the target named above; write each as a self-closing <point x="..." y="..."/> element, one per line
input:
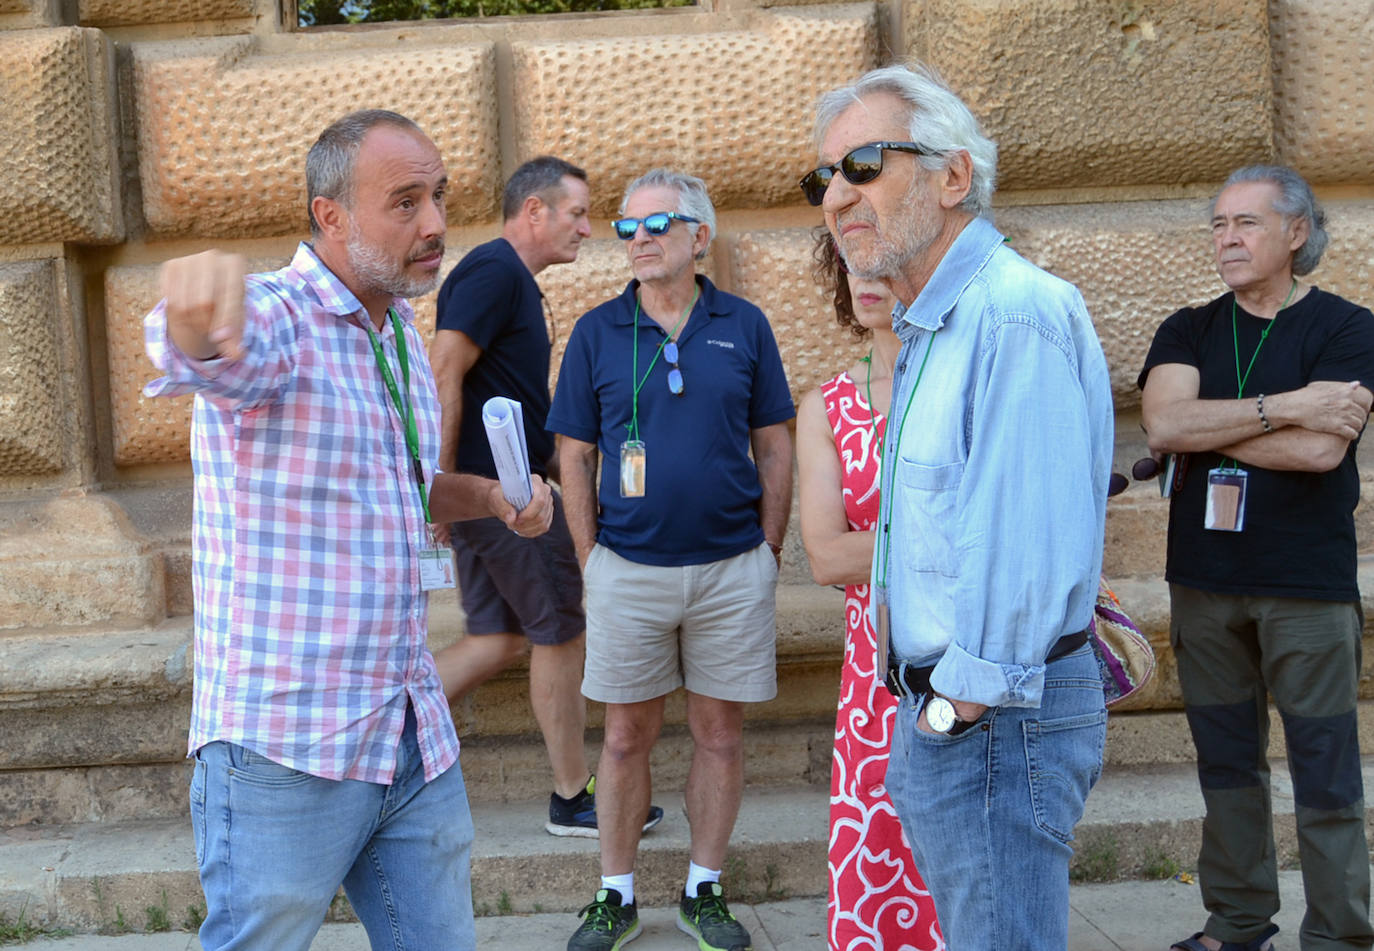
<point x="505" y="422"/>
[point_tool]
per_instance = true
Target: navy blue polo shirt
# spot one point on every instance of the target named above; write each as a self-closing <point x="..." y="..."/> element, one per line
<point x="701" y="486"/>
<point x="492" y="297"/>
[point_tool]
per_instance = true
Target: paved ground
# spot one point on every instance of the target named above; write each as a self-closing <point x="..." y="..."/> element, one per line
<point x="1130" y="916"/>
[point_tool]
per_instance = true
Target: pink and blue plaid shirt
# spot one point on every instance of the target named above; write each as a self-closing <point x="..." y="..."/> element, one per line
<point x="310" y="624"/>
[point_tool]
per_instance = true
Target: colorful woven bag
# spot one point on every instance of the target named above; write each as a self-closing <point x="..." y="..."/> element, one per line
<point x="1125" y="658"/>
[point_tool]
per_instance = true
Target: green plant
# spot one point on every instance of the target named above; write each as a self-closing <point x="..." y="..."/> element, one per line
<point x="1158" y="865"/>
<point x="120" y="925"/>
<point x="503" y="903"/>
<point x="771" y="891"/>
<point x="18" y="930"/>
<point x="195" y="916"/>
<point x="1098" y="860"/>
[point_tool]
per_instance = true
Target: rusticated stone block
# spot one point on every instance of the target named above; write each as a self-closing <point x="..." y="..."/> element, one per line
<point x="74" y="561"/>
<point x="773" y="270"/>
<point x="1080" y="92"/>
<point x="25" y="14"/>
<point x="1324" y="88"/>
<point x="131" y="12"/>
<point x="736" y="108"/>
<point x="145" y="429"/>
<point x="58" y="127"/>
<point x="216" y="159"/>
<point x="1136" y="263"/>
<point x="30" y="370"/>
<point x="1346" y="267"/>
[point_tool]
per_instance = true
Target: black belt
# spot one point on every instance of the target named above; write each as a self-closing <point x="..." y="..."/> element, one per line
<point x="903" y="680"/>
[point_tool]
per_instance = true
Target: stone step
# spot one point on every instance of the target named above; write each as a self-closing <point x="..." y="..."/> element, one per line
<point x="1141" y="822"/>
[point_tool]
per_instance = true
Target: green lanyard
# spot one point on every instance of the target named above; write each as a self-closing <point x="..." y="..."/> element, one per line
<point x="633" y="424"/>
<point x="868" y="391"/>
<point x="885" y="498"/>
<point x="403" y="407"/>
<point x="1235" y="341"/>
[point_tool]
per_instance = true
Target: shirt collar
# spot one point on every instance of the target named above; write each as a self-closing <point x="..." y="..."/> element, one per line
<point x="330" y="293"/>
<point x="710" y="299"/>
<point x="966" y="257"/>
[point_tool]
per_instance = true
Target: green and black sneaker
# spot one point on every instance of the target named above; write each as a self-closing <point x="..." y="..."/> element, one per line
<point x="707" y="919"/>
<point x="607" y="924"/>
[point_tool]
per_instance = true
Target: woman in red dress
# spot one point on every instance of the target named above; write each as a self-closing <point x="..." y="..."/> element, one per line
<point x="877" y="898"/>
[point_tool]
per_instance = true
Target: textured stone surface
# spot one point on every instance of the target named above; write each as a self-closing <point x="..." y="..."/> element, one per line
<point x="73" y="560"/>
<point x="1080" y="92"/>
<point x="128" y="12"/>
<point x="216" y="159"/>
<point x="734" y="108"/>
<point x="1136" y="263"/>
<point x="773" y="269"/>
<point x="23" y="14"/>
<point x="1324" y="88"/>
<point x="30" y="369"/>
<point x="57" y="123"/>
<point x="145" y="429"/>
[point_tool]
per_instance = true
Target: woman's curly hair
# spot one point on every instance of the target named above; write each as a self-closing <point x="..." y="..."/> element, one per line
<point x="829" y="272"/>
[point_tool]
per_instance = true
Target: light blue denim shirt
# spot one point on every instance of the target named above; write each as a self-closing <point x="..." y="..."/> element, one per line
<point x="995" y="477"/>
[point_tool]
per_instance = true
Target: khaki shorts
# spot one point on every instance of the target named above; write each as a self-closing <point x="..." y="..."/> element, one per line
<point x="710" y="628"/>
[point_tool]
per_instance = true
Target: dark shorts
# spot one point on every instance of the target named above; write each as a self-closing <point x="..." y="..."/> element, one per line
<point x="514" y="585"/>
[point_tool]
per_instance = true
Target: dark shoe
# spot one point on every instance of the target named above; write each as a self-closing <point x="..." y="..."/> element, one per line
<point x="708" y="920"/>
<point x="607" y="925"/>
<point x="1260" y="942"/>
<point x="577" y="816"/>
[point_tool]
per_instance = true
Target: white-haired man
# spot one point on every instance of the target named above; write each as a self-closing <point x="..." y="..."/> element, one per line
<point x="671" y="385"/>
<point x="990" y="534"/>
<point x="1262" y="395"/>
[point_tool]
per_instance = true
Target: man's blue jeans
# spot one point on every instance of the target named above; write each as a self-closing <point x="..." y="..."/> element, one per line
<point x="990" y="813"/>
<point x="274" y="845"/>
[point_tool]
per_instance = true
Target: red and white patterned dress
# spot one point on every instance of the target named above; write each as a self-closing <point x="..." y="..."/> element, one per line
<point x="877" y="900"/>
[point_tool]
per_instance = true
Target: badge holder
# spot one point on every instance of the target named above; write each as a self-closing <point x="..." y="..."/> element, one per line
<point x="1225" y="500"/>
<point x="436" y="566"/>
<point x="632" y="463"/>
<point x="882" y="636"/>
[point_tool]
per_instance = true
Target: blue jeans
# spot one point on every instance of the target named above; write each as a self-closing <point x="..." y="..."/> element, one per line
<point x="274" y="845"/>
<point x="990" y="813"/>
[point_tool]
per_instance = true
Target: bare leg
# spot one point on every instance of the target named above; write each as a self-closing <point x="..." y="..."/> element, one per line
<point x="556" y="697"/>
<point x="715" y="782"/>
<point x="623" y="783"/>
<point x="475" y="659"/>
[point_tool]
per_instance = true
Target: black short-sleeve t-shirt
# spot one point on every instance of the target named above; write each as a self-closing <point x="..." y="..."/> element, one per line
<point x="493" y="298"/>
<point x="1299" y="534"/>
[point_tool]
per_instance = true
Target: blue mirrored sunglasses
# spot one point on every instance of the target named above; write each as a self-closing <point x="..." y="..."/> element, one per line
<point x="657" y="223"/>
<point x="676" y="386"/>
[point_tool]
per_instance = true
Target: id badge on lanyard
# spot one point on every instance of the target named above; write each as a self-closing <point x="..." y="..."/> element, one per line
<point x="1225" y="500"/>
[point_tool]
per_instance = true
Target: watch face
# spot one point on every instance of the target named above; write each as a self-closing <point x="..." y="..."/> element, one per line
<point x="940" y="714"/>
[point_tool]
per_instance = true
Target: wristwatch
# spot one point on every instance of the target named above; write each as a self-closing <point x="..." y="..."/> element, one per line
<point x="940" y="715"/>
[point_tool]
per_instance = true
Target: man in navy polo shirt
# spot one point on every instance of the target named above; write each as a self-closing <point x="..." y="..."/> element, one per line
<point x="670" y="385"/>
<point x="491" y="340"/>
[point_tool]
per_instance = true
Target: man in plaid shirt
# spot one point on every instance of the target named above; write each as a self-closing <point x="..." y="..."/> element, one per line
<point x="314" y="440"/>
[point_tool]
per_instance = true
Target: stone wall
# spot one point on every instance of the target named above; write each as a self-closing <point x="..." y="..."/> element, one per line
<point x="137" y="130"/>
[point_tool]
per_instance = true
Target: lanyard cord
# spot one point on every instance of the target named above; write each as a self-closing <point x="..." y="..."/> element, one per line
<point x="868" y="392"/>
<point x="1235" y="341"/>
<point x="403" y="406"/>
<point x="885" y="498"/>
<point x="633" y="424"/>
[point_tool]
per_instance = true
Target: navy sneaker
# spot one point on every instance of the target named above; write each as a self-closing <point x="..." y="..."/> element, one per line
<point x="707" y="919"/>
<point x="577" y="816"/>
<point x="607" y="925"/>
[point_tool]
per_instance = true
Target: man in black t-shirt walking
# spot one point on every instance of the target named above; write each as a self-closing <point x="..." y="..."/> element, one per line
<point x="492" y="340"/>
<point x="1261" y="396"/>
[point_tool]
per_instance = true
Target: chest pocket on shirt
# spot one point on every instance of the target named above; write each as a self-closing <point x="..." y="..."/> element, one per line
<point x="926" y="495"/>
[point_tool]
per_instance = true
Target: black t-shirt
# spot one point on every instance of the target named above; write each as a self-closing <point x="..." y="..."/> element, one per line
<point x="493" y="298"/>
<point x="1299" y="534"/>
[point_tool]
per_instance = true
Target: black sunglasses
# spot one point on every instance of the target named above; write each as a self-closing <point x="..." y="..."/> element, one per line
<point x="675" y="382"/>
<point x="858" y="167"/>
<point x="657" y="223"/>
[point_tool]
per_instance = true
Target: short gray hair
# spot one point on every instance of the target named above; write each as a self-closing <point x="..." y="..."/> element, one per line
<point x="1295" y="203"/>
<point x="329" y="164"/>
<point x="940" y="123"/>
<point x="692" y="199"/>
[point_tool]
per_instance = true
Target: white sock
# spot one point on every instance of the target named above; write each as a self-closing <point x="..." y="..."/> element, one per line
<point x="696" y="874"/>
<point x="625" y="884"/>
